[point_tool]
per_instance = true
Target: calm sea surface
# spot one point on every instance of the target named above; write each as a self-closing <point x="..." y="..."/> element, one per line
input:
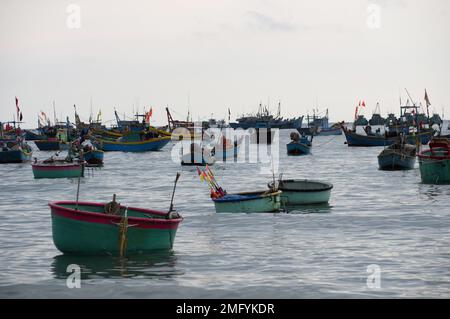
<point x="388" y="219"/>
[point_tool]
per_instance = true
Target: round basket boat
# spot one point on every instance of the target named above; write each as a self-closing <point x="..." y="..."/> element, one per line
<point x="304" y="192"/>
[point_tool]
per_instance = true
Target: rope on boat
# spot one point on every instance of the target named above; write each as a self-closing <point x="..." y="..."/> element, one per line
<point x="123" y="230"/>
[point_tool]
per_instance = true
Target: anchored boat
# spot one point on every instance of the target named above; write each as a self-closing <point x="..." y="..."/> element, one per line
<point x="355" y="139"/>
<point x="299" y="146"/>
<point x="303" y="191"/>
<point x="54" y="168"/>
<point x="96" y="228"/>
<point x="133" y="142"/>
<point x="435" y="163"/>
<point x="14" y="152"/>
<point x="398" y="156"/>
<point x="250" y="202"/>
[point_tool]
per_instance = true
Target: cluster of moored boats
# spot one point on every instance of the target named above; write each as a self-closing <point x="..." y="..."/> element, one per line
<point x="111" y="228"/>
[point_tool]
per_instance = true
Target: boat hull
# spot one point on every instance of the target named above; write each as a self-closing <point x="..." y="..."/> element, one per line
<point x="304" y="192"/>
<point x="155" y="144"/>
<point x="296" y="149"/>
<point x="57" y="171"/>
<point x="94" y="157"/>
<point x="45" y="145"/>
<point x="95" y="233"/>
<point x="396" y="162"/>
<point x="434" y="169"/>
<point x="330" y="132"/>
<point x="254" y="204"/>
<point x="14" y="156"/>
<point x="354" y="139"/>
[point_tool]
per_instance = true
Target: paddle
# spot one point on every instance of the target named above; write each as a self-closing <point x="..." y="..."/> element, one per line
<point x="173" y="194"/>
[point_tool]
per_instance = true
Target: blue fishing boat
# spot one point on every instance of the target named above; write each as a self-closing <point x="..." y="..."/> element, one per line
<point x="320" y="126"/>
<point x="94" y="156"/>
<point x="51" y="144"/>
<point x="14" y="152"/>
<point x="398" y="156"/>
<point x="133" y="142"/>
<point x="252" y="202"/>
<point x="355" y="139"/>
<point x="299" y="145"/>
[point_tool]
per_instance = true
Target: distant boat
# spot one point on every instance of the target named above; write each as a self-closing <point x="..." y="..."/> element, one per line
<point x="93" y="229"/>
<point x="398" y="156"/>
<point x="361" y="121"/>
<point x="303" y="192"/>
<point x="320" y="126"/>
<point x="53" y="168"/>
<point x="355" y="139"/>
<point x="299" y="145"/>
<point x="377" y="119"/>
<point x="250" y="202"/>
<point x="14" y="152"/>
<point x="264" y="119"/>
<point x="434" y="163"/>
<point x="132" y="142"/>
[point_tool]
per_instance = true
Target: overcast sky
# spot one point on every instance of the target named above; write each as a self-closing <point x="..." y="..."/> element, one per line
<point x="222" y="54"/>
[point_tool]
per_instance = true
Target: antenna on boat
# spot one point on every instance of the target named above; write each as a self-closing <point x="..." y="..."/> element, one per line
<point x="173" y="194"/>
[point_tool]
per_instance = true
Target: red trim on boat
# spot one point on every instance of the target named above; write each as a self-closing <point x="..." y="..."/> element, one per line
<point x="101" y="218"/>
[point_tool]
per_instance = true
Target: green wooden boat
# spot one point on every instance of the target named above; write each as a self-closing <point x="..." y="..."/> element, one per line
<point x="434" y="163"/>
<point x="251" y="202"/>
<point x="303" y="192"/>
<point x="57" y="169"/>
<point x="98" y="229"/>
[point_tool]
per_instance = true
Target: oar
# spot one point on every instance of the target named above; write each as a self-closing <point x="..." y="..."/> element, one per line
<point x="173" y="194"/>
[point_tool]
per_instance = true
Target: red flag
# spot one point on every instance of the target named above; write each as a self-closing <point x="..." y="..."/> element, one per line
<point x="356" y="113"/>
<point x="363" y="103"/>
<point x="148" y="115"/>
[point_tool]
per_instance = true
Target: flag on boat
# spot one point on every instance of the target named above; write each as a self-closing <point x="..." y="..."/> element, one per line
<point x="427" y="100"/>
<point x="363" y="104"/>
<point x="17" y="107"/>
<point x="148" y="115"/>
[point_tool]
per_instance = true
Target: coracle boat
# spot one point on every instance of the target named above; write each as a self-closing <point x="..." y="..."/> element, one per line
<point x="435" y="163"/>
<point x="251" y="202"/>
<point x="398" y="156"/>
<point x="299" y="146"/>
<point x="111" y="229"/>
<point x="14" y="152"/>
<point x="303" y="192"/>
<point x="54" y="168"/>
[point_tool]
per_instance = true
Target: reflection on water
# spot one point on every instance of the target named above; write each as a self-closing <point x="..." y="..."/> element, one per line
<point x="161" y="264"/>
<point x="309" y="209"/>
<point x="432" y="192"/>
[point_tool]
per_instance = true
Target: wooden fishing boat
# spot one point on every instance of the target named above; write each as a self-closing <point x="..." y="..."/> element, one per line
<point x="299" y="146"/>
<point x="93" y="156"/>
<point x="355" y="139"/>
<point x="334" y="130"/>
<point x="133" y="142"/>
<point x="398" y="156"/>
<point x="434" y="163"/>
<point x="251" y="202"/>
<point x="94" y="228"/>
<point x="14" y="152"/>
<point x="303" y="191"/>
<point x="50" y="144"/>
<point x="52" y="168"/>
